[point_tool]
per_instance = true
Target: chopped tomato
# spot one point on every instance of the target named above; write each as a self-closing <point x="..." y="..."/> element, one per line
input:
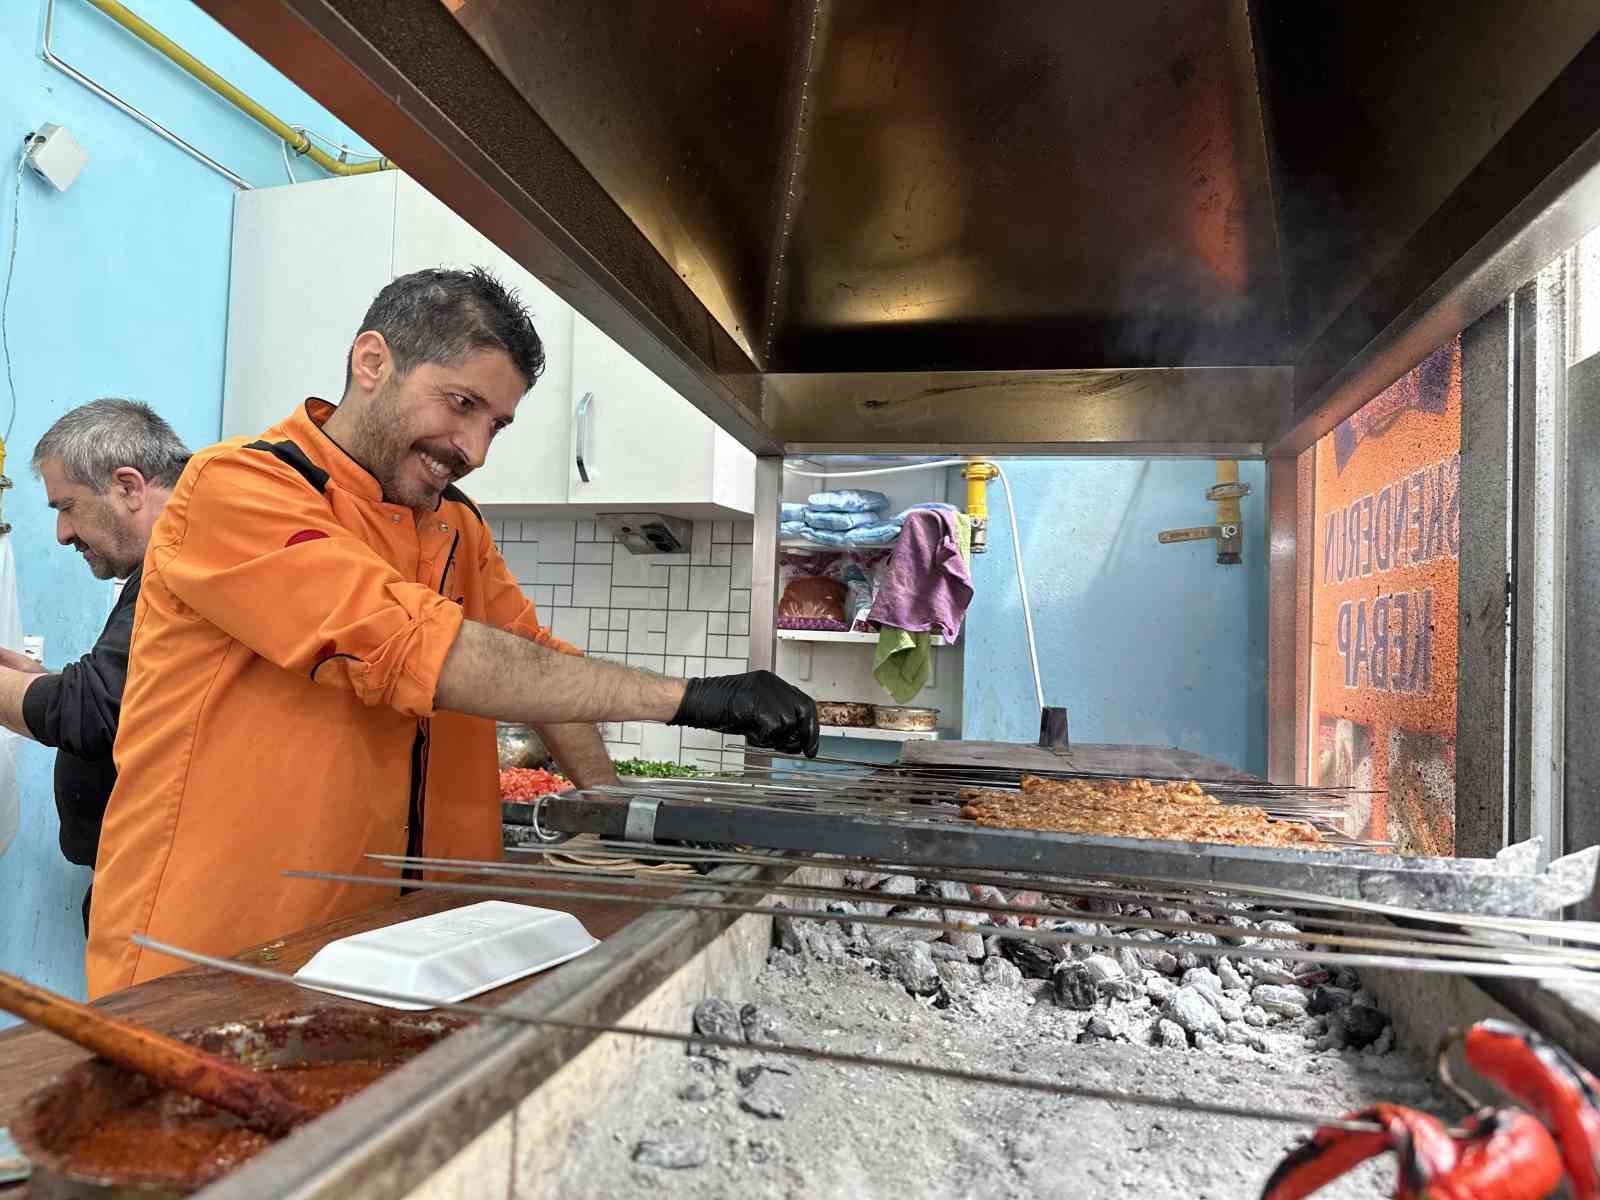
<point x="522" y="784"/>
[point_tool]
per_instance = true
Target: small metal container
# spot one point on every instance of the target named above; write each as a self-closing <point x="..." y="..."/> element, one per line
<point x="519" y="745"/>
<point x="79" y="1098"/>
<point x="846" y="714"/>
<point x="905" y="720"/>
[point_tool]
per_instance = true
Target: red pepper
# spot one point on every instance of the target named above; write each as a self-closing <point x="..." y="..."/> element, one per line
<point x="1506" y="1155"/>
<point x="1423" y="1147"/>
<point x="1538" y="1073"/>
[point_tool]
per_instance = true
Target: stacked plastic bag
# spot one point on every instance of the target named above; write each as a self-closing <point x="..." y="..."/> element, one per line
<point x="848" y="518"/>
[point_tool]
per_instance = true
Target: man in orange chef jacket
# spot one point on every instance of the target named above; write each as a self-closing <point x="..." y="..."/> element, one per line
<point x="325" y="636"/>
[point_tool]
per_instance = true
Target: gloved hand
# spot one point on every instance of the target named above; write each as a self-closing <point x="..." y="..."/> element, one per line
<point x="767" y="711"/>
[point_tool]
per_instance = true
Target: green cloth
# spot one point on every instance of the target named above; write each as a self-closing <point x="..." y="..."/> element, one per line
<point x="964" y="538"/>
<point x="900" y="662"/>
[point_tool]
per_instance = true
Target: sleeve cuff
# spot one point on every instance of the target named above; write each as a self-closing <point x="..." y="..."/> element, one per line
<point x="37" y="702"/>
<point x="417" y="682"/>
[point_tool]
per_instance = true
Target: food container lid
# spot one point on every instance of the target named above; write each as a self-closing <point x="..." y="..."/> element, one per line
<point x="449" y="956"/>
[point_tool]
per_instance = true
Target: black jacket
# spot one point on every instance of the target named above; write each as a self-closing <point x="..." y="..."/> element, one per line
<point x="76" y="712"/>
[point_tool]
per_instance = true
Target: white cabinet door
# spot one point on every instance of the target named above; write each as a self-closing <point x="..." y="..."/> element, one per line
<point x="527" y="463"/>
<point x="307" y="261"/>
<point x="643" y="444"/>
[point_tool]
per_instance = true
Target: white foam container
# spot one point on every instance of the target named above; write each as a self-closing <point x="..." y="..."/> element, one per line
<point x="449" y="956"/>
<point x="13" y="1166"/>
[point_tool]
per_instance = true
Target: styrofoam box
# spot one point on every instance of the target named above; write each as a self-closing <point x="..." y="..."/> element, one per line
<point x="449" y="956"/>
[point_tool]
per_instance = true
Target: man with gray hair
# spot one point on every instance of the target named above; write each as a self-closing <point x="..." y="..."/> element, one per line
<point x="108" y="468"/>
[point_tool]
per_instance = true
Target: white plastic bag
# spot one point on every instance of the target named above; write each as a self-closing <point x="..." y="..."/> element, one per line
<point x="11" y="639"/>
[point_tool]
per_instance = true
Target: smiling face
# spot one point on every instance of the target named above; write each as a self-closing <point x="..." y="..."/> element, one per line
<point x="103" y="527"/>
<point x="421" y="432"/>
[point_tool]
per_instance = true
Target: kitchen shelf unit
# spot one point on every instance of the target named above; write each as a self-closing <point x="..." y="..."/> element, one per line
<point x="842" y="636"/>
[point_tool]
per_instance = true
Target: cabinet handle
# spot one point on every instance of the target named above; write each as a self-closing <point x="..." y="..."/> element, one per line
<point x="584" y="457"/>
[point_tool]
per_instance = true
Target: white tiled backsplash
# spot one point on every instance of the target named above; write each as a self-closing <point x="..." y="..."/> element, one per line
<point x="679" y="614"/>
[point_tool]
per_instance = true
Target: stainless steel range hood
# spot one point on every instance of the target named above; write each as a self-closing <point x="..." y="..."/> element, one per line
<point x="1209" y="227"/>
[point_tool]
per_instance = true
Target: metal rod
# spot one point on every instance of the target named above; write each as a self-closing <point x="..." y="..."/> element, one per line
<point x="915" y="802"/>
<point x="1570" y="931"/>
<point x="771" y="1050"/>
<point x="977" y="772"/>
<point x="824" y="781"/>
<point x="49" y="55"/>
<point x="297" y="140"/>
<point x="974" y="776"/>
<point x="1464" y="948"/>
<point x="1044" y="936"/>
<point x="1440" y="883"/>
<point x="1198" y="901"/>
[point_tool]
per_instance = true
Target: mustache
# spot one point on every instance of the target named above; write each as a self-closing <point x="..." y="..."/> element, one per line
<point x="449" y="456"/>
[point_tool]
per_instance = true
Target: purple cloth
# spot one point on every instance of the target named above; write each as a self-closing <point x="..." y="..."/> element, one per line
<point x="926" y="587"/>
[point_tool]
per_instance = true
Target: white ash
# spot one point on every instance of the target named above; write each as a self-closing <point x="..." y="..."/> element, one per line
<point x="1284" y="1001"/>
<point x="914" y="967"/>
<point x="655" y="1152"/>
<point x="1267" y="1034"/>
<point x="688" y="1126"/>
<point x="969" y="944"/>
<point x="893" y="886"/>
<point x="1270" y="970"/>
<point x="1229" y="974"/>
<point x="1131" y="990"/>
<point x="1000" y="972"/>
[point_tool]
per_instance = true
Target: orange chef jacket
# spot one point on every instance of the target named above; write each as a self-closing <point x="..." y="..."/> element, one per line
<point x="279" y="706"/>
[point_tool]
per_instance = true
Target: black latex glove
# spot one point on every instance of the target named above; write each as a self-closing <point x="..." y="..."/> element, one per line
<point x="770" y="713"/>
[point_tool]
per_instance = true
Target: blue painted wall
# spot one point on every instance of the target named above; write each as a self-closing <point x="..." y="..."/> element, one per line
<point x="1142" y="642"/>
<point x="120" y="288"/>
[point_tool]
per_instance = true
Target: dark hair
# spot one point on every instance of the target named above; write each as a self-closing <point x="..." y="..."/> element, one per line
<point x="438" y="316"/>
<point x="94" y="440"/>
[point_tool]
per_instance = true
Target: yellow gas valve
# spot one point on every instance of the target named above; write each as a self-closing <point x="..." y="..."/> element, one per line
<point x="1229" y="529"/>
<point x="978" y="475"/>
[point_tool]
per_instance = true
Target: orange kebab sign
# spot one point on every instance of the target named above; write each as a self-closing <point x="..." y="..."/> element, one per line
<point x="1386" y="549"/>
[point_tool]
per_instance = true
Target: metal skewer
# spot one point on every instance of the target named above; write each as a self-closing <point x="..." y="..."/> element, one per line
<point x="1460" y="946"/>
<point x="1495" y="970"/>
<point x="804" y="1053"/>
<point x="1174" y="889"/>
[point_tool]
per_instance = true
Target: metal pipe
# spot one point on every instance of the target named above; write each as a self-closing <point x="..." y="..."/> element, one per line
<point x="297" y="140"/>
<point x="49" y="55"/>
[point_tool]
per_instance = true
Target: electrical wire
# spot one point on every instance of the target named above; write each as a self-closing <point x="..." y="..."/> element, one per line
<point x="5" y="299"/>
<point x="1022" y="586"/>
<point x="341" y="149"/>
<point x="1016" y="541"/>
<point x="925" y="466"/>
<point x="344" y="151"/>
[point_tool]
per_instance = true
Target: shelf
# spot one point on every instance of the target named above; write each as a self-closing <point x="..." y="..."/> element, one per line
<point x="880" y="735"/>
<point x="824" y="548"/>
<point x="829" y="635"/>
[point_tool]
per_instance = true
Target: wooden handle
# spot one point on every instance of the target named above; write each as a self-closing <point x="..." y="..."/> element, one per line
<point x="171" y="1063"/>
